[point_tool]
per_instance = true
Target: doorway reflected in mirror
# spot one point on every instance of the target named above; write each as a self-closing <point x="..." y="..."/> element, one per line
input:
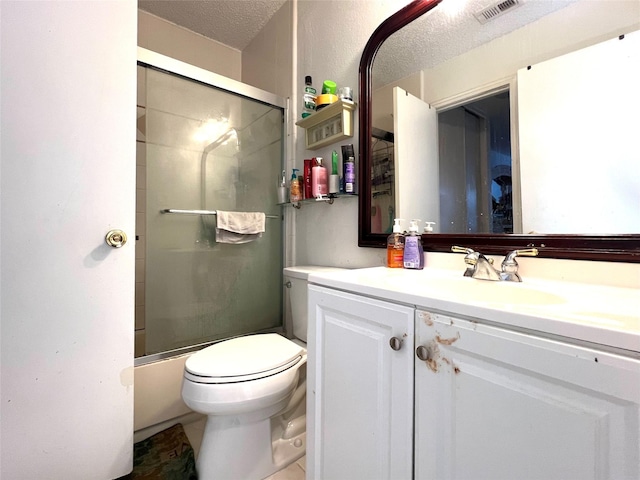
<point x="476" y="188"/>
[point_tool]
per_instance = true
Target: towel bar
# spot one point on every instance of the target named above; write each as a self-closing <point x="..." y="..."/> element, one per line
<point x="200" y="212"/>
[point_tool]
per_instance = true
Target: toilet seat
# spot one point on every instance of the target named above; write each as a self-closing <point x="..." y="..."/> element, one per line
<point x="243" y="359"/>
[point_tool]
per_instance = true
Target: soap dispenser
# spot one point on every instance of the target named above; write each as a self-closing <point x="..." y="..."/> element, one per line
<point x="282" y="189"/>
<point x="395" y="246"/>
<point x="295" y="189"/>
<point x="413" y="252"/>
<point x="428" y="227"/>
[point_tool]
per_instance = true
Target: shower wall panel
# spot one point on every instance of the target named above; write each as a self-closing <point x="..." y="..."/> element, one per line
<point x="197" y="290"/>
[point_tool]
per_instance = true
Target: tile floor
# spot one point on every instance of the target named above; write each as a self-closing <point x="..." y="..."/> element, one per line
<point x="295" y="471"/>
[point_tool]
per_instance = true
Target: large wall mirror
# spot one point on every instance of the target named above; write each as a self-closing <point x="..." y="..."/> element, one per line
<point x="430" y="74"/>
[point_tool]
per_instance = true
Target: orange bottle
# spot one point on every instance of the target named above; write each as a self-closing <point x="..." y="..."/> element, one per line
<point x="295" y="188"/>
<point x="395" y="246"/>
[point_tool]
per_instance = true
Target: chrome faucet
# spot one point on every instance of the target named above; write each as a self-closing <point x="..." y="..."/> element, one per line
<point x="510" y="266"/>
<point x="481" y="267"/>
<point x="478" y="266"/>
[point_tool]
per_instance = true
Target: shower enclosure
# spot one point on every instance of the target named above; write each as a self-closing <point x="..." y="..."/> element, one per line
<point x="205" y="143"/>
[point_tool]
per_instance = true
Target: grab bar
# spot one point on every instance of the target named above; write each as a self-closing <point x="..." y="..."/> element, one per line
<point x="200" y="212"/>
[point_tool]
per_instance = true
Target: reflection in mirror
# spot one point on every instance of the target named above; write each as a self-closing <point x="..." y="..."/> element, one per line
<point x="448" y="83"/>
<point x="473" y="170"/>
<point x="476" y="193"/>
<point x="383" y="197"/>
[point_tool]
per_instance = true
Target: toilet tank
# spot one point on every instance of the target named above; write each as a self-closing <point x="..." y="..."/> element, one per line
<point x="298" y="277"/>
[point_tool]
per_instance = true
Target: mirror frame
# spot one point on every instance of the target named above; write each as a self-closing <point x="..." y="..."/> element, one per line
<point x="619" y="248"/>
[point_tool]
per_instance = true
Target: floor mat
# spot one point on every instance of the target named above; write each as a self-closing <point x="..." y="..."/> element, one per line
<point x="167" y="455"/>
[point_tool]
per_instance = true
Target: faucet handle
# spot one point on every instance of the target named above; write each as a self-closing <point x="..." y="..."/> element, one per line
<point x="471" y="258"/>
<point x="510" y="266"/>
<point x="456" y="249"/>
<point x="509" y="259"/>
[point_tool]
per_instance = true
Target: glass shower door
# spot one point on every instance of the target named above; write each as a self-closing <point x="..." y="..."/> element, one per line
<point x="207" y="149"/>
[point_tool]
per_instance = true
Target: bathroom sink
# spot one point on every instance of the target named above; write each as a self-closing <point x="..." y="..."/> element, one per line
<point x="446" y="285"/>
<point x="484" y="291"/>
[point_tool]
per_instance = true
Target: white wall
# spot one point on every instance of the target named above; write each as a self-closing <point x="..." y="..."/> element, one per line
<point x="166" y="38"/>
<point x="331" y="50"/>
<point x="267" y="61"/>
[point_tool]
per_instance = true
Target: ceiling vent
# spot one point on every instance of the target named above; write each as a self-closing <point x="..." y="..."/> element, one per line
<point x="495" y="11"/>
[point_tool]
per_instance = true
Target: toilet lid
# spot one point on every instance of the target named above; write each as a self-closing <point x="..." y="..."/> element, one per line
<point x="250" y="355"/>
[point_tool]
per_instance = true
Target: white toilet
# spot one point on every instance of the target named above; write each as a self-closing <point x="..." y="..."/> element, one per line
<point x="253" y="391"/>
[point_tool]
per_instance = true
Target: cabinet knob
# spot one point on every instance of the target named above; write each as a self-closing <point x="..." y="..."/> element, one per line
<point x="395" y="343"/>
<point x="422" y="353"/>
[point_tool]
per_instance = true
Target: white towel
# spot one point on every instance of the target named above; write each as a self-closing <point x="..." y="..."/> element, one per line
<point x="239" y="227"/>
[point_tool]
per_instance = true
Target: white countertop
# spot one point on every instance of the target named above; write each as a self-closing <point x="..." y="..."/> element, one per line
<point x="593" y="313"/>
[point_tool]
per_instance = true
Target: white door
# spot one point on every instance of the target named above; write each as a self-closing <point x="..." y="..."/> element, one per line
<point x="581" y="137"/>
<point x="360" y="390"/>
<point x="68" y="177"/>
<point x="497" y="404"/>
<point x="416" y="145"/>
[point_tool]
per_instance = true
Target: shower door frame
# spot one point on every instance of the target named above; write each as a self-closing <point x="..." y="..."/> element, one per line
<point x="157" y="61"/>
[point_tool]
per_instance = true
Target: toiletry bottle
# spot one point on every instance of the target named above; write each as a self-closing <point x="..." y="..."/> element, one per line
<point x="318" y="178"/>
<point x="334" y="179"/>
<point x="306" y="178"/>
<point x="395" y="246"/>
<point x="282" y="189"/>
<point x="308" y="98"/>
<point x="349" y="166"/>
<point x="428" y="227"/>
<point x="413" y="252"/>
<point x="295" y="189"/>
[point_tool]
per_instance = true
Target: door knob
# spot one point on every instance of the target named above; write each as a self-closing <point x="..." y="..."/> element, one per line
<point x="422" y="353"/>
<point x="395" y="343"/>
<point x="115" y="238"/>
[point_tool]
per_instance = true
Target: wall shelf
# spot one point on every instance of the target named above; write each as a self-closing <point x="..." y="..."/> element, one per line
<point x="331" y="124"/>
<point x="328" y="199"/>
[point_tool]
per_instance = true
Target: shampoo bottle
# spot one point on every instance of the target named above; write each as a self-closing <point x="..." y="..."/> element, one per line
<point x="318" y="179"/>
<point x="395" y="246"/>
<point x="413" y="252"/>
<point x="349" y="166"/>
<point x="295" y="189"/>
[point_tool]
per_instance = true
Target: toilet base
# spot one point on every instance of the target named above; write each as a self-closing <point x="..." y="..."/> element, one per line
<point x="233" y="452"/>
<point x="236" y="449"/>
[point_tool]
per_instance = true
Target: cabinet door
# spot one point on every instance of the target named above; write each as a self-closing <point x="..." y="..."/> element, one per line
<point x="360" y="393"/>
<point x="498" y="404"/>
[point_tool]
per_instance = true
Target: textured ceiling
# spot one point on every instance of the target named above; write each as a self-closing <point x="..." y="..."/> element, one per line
<point x="436" y="37"/>
<point x="232" y="22"/>
<point x="443" y="34"/>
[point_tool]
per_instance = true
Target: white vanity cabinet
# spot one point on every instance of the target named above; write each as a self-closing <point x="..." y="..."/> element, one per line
<point x="360" y="387"/>
<point x="493" y="403"/>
